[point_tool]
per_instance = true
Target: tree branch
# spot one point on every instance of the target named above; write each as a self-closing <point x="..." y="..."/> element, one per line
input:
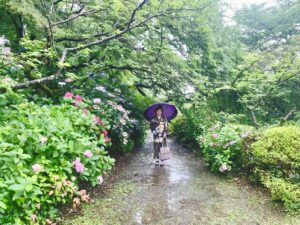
<point x="37" y="81"/>
<point x="99" y="42"/>
<point x="289" y="114"/>
<point x="81" y="13"/>
<point x="127" y="29"/>
<point x="135" y="11"/>
<point x="243" y="71"/>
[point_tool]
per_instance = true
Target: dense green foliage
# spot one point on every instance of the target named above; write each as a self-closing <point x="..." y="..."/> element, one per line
<point x="46" y="151"/>
<point x="113" y="58"/>
<point x="260" y="90"/>
<point x="194" y="121"/>
<point x="276" y="163"/>
<point x="112" y="55"/>
<point x="279" y="147"/>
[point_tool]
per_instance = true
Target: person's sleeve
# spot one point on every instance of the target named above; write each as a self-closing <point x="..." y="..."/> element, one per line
<point x="154" y="127"/>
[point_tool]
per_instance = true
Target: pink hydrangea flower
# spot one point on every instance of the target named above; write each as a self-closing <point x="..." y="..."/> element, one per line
<point x="215" y="135"/>
<point x="79" y="167"/>
<point x="232" y="142"/>
<point x="68" y="80"/>
<point x="100" y="179"/>
<point x="223" y="168"/>
<point x="97" y="100"/>
<point x="36" y="168"/>
<point x="6" y="51"/>
<point x="97" y="120"/>
<point x="85" y="111"/>
<point x="88" y="153"/>
<point x="78" y="98"/>
<point x="106" y="139"/>
<point x="69" y="95"/>
<point x="105" y="132"/>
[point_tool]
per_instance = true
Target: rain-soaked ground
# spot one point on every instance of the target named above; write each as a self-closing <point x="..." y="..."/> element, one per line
<point x="183" y="192"/>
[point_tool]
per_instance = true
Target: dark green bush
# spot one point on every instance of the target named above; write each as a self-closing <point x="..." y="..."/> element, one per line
<point x="193" y="122"/>
<point x="181" y="127"/>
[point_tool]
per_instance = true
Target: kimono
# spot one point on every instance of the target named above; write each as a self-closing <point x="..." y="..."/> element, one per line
<point x="158" y="134"/>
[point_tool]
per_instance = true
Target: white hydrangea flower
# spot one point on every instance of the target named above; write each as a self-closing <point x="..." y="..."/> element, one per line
<point x="101" y="88"/>
<point x="3" y="40"/>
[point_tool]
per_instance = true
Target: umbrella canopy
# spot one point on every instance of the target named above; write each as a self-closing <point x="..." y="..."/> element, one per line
<point x="169" y="111"/>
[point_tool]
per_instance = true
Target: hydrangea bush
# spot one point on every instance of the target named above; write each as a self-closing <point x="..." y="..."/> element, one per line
<point x="122" y="123"/>
<point x="45" y="152"/>
<point x="221" y="146"/>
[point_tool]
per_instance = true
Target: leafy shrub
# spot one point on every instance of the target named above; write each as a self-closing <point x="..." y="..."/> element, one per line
<point x="278" y="148"/>
<point x="193" y="121"/>
<point x="177" y="128"/>
<point x="221" y="146"/>
<point x="45" y="152"/>
<point x="285" y="191"/>
<point x="275" y="160"/>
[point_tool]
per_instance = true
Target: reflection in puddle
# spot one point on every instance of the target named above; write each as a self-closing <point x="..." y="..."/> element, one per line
<point x="178" y="172"/>
<point x="138" y="217"/>
<point x="172" y="201"/>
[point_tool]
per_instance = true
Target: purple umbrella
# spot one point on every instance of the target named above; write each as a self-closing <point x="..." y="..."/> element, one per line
<point x="169" y="111"/>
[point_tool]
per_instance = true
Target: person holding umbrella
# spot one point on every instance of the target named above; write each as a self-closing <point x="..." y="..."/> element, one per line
<point x="159" y="114"/>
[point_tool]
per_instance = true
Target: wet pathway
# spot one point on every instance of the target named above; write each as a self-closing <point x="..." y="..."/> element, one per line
<point x="183" y="192"/>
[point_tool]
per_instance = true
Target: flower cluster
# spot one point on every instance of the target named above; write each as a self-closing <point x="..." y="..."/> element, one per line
<point x="101" y="88"/>
<point x="88" y="153"/>
<point x="97" y="120"/>
<point x="124" y="119"/>
<point x="6" y="51"/>
<point x="221" y="144"/>
<point x="36" y="168"/>
<point x="125" y="137"/>
<point x="223" y="168"/>
<point x="3" y="40"/>
<point x="106" y="138"/>
<point x="77" y="98"/>
<point x="79" y="167"/>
